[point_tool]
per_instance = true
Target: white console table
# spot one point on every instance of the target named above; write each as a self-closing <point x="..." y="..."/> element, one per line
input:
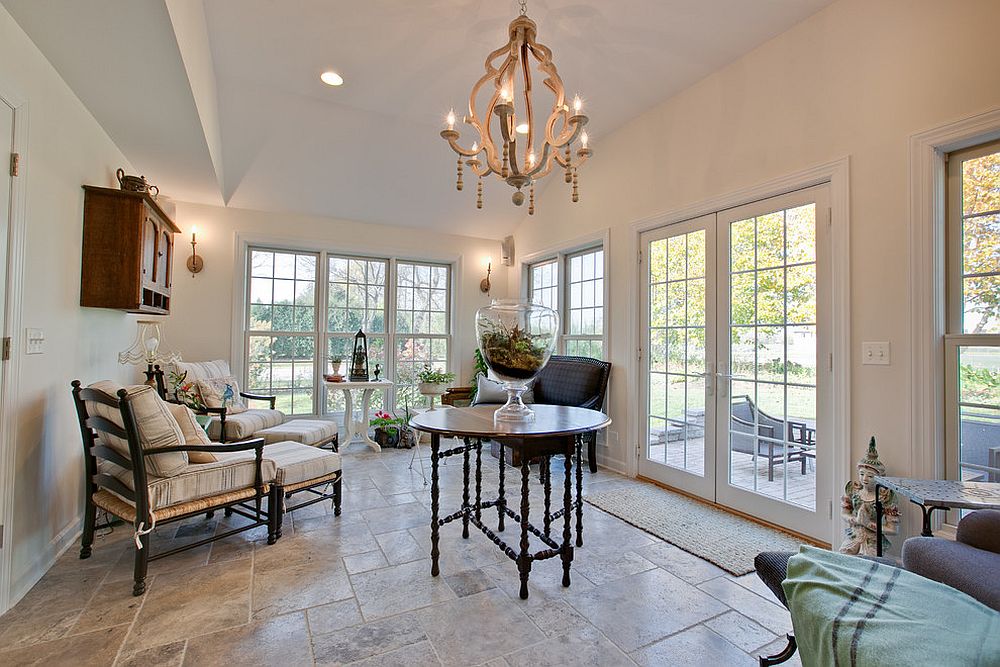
<point x="353" y="427"/>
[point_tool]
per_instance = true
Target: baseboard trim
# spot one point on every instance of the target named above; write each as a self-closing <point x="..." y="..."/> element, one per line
<point x="749" y="517"/>
<point x="58" y="546"/>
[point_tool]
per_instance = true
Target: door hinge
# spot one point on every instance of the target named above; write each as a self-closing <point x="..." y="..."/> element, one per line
<point x="1" y="536"/>
<point x="830" y="505"/>
<point x="6" y="348"/>
<point x="638" y="354"/>
<point x="829" y="217"/>
<point x="639" y="253"/>
<point x="831" y="362"/>
<point x="15" y="164"/>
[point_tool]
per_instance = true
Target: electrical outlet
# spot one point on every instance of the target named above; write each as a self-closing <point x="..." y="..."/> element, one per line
<point x="34" y="341"/>
<point x="875" y="354"/>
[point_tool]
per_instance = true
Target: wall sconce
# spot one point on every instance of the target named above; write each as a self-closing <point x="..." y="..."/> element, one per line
<point x="195" y="263"/>
<point x="484" y="284"/>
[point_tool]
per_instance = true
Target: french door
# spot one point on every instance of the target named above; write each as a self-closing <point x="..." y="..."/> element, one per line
<point x="735" y="315"/>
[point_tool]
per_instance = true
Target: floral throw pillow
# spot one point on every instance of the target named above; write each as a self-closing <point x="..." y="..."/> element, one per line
<point x="186" y="391"/>
<point x="222" y="392"/>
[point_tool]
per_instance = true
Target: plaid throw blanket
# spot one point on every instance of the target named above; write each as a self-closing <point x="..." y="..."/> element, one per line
<point x="850" y="612"/>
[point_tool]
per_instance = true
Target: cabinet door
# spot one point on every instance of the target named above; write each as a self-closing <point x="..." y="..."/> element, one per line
<point x="150" y="235"/>
<point x="165" y="256"/>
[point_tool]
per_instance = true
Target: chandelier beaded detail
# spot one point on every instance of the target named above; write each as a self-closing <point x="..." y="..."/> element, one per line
<point x="497" y="149"/>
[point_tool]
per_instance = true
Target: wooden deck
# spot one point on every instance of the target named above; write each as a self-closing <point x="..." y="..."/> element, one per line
<point x="800" y="489"/>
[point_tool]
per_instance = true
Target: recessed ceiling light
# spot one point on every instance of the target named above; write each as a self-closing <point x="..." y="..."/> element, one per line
<point x="331" y="78"/>
<point x="522" y="128"/>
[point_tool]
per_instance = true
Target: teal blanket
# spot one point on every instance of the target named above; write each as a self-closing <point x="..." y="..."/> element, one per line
<point x="848" y="611"/>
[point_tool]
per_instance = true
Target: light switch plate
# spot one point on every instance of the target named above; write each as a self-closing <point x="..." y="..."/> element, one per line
<point x="34" y="341"/>
<point x="875" y="354"/>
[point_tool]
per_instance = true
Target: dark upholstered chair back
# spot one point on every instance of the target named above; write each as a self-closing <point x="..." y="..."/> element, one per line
<point x="576" y="381"/>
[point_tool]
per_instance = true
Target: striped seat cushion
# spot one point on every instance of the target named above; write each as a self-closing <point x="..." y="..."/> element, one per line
<point x="307" y="431"/>
<point x="245" y="424"/>
<point x="296" y="463"/>
<point x="233" y="471"/>
<point x="202" y="370"/>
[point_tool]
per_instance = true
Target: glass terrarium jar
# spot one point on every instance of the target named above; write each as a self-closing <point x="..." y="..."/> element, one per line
<point x="516" y="339"/>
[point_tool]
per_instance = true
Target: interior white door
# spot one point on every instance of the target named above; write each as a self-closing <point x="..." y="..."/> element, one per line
<point x="678" y="387"/>
<point x="774" y="411"/>
<point x="6" y="202"/>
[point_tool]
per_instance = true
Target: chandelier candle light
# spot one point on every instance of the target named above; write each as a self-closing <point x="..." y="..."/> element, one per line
<point x="509" y="69"/>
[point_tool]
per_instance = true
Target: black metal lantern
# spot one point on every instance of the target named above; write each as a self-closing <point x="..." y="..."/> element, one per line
<point x="359" y="359"/>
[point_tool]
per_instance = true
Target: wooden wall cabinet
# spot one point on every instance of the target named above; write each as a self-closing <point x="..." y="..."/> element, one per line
<point x="128" y="250"/>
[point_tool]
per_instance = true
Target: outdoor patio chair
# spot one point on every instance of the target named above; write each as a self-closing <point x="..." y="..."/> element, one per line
<point x="767" y="439"/>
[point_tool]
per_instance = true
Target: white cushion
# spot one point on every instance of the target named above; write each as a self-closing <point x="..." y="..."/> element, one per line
<point x="297" y="463"/>
<point x="193" y="433"/>
<point x="222" y="392"/>
<point x="156" y="426"/>
<point x="306" y="431"/>
<point x="202" y="370"/>
<point x="232" y="472"/>
<point x="245" y="424"/>
<point x="492" y="391"/>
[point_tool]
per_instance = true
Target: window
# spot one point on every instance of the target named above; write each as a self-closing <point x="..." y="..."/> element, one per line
<point x="585" y="305"/>
<point x="545" y="284"/>
<point x="573" y="285"/>
<point x="422" y="325"/>
<point x="281" y="328"/>
<point x="972" y="341"/>
<point x="355" y="300"/>
<point x="297" y="322"/>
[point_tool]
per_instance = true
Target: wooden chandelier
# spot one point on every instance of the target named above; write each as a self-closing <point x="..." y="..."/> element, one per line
<point x="498" y="150"/>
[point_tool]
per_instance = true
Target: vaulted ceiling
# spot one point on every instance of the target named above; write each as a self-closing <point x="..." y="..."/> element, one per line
<point x="220" y="102"/>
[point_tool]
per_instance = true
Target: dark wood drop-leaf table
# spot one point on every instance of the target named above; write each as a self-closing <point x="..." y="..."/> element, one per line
<point x="556" y="431"/>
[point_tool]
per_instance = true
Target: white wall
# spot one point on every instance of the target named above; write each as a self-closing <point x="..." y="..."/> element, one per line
<point x="857" y="79"/>
<point x="65" y="149"/>
<point x="201" y="317"/>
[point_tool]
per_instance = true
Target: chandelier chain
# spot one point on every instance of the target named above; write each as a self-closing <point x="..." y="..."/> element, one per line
<point x="524" y="7"/>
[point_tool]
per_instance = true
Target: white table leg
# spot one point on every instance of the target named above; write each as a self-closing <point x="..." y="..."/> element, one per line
<point x="348" y="415"/>
<point x="362" y="426"/>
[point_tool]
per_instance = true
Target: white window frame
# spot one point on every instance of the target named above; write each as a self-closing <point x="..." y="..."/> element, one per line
<point x="955" y="336"/>
<point x="561" y="256"/>
<point x="927" y="286"/>
<point x="241" y="287"/>
<point x="314" y="333"/>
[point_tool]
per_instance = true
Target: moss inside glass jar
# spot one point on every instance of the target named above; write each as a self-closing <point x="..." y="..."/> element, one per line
<point x="513" y="352"/>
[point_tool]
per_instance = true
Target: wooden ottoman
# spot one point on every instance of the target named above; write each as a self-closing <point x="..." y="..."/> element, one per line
<point x="300" y="468"/>
<point x="313" y="432"/>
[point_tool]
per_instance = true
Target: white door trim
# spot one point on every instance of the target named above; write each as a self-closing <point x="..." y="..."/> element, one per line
<point x="927" y="282"/>
<point x="12" y="327"/>
<point x="837" y="174"/>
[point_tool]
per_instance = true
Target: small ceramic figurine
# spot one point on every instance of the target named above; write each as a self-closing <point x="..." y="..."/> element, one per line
<point x="378" y="371"/>
<point x="858" y="508"/>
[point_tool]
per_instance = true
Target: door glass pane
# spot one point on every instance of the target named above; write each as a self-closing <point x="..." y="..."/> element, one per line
<point x="979" y="413"/>
<point x="772" y="352"/>
<point x="676" y="359"/>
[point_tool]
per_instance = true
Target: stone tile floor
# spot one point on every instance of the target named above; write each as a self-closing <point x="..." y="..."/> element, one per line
<point x="356" y="589"/>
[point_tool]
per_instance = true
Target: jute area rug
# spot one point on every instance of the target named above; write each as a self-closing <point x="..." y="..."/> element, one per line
<point x="728" y="540"/>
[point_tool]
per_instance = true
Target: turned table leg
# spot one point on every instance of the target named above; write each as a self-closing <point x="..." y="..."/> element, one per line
<point x="435" y="491"/>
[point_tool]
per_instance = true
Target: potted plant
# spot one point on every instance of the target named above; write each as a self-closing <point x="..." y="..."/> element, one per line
<point x="387" y="428"/>
<point x="432" y="382"/>
<point x="406" y="393"/>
